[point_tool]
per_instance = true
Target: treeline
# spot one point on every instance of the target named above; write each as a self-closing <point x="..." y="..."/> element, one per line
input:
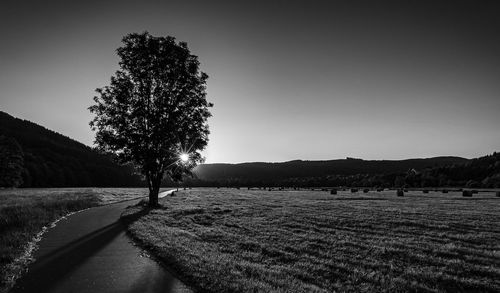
<point x="33" y="156"/>
<point x="50" y="159"/>
<point x="264" y="172"/>
<point x="434" y="172"/>
<point x="479" y="172"/>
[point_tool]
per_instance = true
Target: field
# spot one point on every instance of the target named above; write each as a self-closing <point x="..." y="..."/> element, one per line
<point x="228" y="240"/>
<point x="25" y="212"/>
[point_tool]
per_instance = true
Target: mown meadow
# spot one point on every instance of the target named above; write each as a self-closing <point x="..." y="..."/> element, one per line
<point x="228" y="240"/>
<point x="25" y="213"/>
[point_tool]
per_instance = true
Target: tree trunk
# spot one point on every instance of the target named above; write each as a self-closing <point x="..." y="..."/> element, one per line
<point x="154" y="183"/>
<point x="153" y="197"/>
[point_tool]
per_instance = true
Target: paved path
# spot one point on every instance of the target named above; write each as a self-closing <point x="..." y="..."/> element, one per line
<point x="90" y="252"/>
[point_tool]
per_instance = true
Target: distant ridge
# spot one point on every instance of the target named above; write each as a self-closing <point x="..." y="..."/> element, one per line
<point x="54" y="160"/>
<point x="300" y="168"/>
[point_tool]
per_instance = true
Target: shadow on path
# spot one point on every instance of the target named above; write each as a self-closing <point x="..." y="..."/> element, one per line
<point x="49" y="269"/>
<point x="90" y="252"/>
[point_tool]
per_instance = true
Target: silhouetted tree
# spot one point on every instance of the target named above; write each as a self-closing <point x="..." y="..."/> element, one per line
<point x="11" y="162"/>
<point x="154" y="110"/>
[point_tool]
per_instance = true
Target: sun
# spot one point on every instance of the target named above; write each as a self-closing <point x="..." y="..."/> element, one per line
<point x="184" y="157"/>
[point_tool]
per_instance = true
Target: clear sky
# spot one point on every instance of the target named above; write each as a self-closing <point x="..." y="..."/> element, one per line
<point x="289" y="79"/>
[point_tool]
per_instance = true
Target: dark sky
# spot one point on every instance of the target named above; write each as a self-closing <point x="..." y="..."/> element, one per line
<point x="289" y="79"/>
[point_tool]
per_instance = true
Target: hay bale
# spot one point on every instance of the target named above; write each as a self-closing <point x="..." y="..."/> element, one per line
<point x="333" y="191"/>
<point x="467" y="193"/>
<point x="380" y="189"/>
<point x="366" y="190"/>
<point x="400" y="192"/>
<point x="354" y="190"/>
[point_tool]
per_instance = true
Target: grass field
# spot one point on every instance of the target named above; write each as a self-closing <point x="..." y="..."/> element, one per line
<point x="25" y="212"/>
<point x="227" y="240"/>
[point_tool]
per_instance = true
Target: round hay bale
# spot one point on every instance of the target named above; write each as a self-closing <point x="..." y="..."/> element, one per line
<point x="354" y="190"/>
<point x="467" y="193"/>
<point x="366" y="190"/>
<point x="333" y="191"/>
<point x="400" y="192"/>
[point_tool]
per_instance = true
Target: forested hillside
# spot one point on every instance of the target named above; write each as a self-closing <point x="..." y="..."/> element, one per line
<point x="350" y="171"/>
<point x="479" y="172"/>
<point x="54" y="160"/>
<point x="483" y="172"/>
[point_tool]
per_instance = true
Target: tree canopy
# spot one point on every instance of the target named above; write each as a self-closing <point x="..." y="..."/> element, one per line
<point x="155" y="109"/>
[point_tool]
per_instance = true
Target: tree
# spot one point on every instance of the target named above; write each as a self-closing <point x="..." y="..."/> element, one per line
<point x="154" y="112"/>
<point x="11" y="162"/>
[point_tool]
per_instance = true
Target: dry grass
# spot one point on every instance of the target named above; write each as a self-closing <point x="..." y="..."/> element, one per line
<point x="310" y="241"/>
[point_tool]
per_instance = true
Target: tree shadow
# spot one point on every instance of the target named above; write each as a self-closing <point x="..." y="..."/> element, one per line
<point x="49" y="269"/>
<point x="173" y="282"/>
<point x="135" y="212"/>
<point x="52" y="267"/>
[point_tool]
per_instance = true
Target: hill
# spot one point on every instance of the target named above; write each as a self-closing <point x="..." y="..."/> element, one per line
<point x="479" y="172"/>
<point x="299" y="168"/>
<point x="431" y="172"/>
<point x="54" y="160"/>
<point x="349" y="171"/>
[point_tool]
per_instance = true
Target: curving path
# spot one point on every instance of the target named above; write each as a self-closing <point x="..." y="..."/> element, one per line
<point x="90" y="252"/>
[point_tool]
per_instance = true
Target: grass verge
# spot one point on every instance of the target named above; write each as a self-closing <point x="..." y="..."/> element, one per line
<point x="305" y="241"/>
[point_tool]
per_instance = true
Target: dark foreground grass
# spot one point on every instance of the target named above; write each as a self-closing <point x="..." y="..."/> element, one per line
<point x="309" y="241"/>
